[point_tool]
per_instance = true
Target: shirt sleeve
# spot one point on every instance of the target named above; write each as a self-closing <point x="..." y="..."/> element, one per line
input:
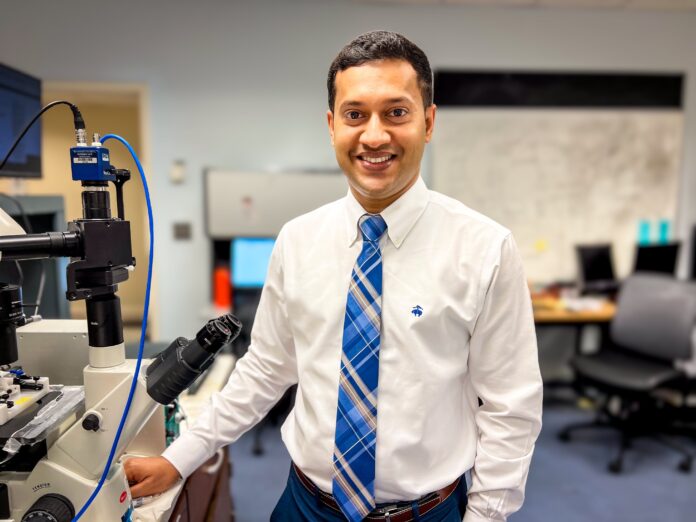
<point x="258" y="381"/>
<point x="504" y="369"/>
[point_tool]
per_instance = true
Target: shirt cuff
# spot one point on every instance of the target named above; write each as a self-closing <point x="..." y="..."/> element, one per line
<point x="186" y="454"/>
<point x="472" y="516"/>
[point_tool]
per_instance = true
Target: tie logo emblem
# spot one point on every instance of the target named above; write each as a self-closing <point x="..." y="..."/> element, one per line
<point x="417" y="311"/>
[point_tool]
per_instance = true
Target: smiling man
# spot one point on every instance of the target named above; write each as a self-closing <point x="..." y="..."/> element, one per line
<point x="405" y="320"/>
<point x="380" y="127"/>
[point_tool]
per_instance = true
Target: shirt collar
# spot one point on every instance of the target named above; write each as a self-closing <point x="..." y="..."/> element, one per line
<point x="400" y="216"/>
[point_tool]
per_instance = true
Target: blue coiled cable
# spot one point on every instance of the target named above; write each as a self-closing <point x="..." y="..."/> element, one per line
<point x="143" y="329"/>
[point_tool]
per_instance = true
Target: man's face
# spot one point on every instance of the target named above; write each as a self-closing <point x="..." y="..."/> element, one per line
<point x="379" y="129"/>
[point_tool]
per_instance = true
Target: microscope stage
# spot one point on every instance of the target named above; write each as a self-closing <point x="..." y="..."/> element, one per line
<point x="17" y="394"/>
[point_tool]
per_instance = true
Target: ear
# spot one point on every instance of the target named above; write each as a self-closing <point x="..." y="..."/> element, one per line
<point x="429" y="122"/>
<point x="330" y="120"/>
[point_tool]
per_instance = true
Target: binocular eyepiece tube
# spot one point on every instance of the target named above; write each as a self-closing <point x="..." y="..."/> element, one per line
<point x="183" y="361"/>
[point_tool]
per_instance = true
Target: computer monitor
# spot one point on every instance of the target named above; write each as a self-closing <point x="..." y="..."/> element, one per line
<point x="249" y="259"/>
<point x="657" y="258"/>
<point x="20" y="101"/>
<point x="596" y="268"/>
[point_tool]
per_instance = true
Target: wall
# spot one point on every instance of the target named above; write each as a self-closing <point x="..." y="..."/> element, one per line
<point x="241" y="85"/>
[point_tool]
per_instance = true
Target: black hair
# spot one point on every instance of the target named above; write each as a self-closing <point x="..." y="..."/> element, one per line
<point x="382" y="45"/>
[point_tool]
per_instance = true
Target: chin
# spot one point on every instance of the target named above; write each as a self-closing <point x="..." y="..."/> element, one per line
<point x="373" y="187"/>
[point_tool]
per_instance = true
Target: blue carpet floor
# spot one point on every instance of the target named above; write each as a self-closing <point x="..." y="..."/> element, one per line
<point x="567" y="482"/>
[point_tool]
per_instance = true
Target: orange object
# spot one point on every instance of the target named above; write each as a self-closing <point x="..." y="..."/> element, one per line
<point x="222" y="287"/>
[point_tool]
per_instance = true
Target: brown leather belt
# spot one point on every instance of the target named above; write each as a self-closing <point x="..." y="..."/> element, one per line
<point x="401" y="512"/>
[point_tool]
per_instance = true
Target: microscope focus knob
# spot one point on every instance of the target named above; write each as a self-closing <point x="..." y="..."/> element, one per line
<point x="50" y="508"/>
<point x="91" y="422"/>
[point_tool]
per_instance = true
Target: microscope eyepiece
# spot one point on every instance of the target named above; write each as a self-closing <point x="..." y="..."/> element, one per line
<point x="218" y="332"/>
<point x="177" y="367"/>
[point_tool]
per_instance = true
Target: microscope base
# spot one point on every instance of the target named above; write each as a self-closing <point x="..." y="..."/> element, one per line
<point x="75" y="460"/>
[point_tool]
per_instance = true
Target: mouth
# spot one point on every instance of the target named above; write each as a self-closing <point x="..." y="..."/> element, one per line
<point x="376" y="162"/>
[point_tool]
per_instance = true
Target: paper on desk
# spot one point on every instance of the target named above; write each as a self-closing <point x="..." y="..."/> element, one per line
<point x="584" y="304"/>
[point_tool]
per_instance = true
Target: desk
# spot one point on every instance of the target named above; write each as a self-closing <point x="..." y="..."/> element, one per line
<point x="553" y="311"/>
<point x="550" y="311"/>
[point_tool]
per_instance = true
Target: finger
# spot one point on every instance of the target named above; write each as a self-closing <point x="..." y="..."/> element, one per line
<point x="135" y="476"/>
<point x="141" y="489"/>
<point x="130" y="468"/>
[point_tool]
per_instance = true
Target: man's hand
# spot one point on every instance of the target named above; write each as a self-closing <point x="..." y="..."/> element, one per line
<point x="150" y="475"/>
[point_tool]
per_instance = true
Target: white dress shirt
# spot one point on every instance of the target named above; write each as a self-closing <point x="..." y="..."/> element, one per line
<point x="474" y="339"/>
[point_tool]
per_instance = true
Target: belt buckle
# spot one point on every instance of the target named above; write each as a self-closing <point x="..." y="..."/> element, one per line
<point x="388" y="511"/>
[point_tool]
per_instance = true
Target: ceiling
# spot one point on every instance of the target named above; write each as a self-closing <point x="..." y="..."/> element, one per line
<point x="671" y="5"/>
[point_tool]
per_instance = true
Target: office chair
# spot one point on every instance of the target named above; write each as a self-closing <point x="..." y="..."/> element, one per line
<point x="652" y="330"/>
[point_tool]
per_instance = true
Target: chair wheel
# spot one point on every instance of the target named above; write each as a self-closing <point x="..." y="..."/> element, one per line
<point x="686" y="465"/>
<point x="564" y="436"/>
<point x="615" y="466"/>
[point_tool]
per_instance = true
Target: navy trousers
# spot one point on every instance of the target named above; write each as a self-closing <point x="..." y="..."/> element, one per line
<point x="296" y="504"/>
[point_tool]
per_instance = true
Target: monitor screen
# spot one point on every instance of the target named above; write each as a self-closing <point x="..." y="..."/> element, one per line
<point x="657" y="258"/>
<point x="20" y="101"/>
<point x="596" y="263"/>
<point x="250" y="257"/>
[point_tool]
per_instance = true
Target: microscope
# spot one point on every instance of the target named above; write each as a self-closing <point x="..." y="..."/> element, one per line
<point x="55" y="440"/>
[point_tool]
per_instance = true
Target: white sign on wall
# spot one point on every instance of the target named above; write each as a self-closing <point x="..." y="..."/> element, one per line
<point x="259" y="204"/>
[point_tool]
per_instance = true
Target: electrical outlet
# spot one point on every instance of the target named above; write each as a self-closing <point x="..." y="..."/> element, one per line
<point x="182" y="231"/>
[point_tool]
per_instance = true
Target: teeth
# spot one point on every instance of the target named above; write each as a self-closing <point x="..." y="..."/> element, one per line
<point x="377" y="160"/>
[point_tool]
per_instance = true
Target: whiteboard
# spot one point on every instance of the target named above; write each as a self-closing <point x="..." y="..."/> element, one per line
<point x="558" y="178"/>
<point x="260" y="203"/>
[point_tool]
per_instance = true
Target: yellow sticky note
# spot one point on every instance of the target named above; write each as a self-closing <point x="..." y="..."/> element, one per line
<point x="541" y="245"/>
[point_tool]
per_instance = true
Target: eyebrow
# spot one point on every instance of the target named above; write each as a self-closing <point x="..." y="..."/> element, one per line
<point x="356" y="103"/>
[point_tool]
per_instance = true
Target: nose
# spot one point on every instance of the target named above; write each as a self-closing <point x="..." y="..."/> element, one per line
<point x="375" y="134"/>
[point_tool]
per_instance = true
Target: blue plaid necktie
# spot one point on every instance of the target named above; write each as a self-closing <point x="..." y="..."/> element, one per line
<point x="356" y="422"/>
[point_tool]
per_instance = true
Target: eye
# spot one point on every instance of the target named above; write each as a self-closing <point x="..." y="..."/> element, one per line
<point x="353" y="115"/>
<point x="399" y="112"/>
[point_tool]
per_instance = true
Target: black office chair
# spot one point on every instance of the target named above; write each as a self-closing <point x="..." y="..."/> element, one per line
<point x="651" y="332"/>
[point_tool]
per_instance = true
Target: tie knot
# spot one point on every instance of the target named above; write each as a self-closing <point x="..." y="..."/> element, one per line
<point x="372" y="227"/>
